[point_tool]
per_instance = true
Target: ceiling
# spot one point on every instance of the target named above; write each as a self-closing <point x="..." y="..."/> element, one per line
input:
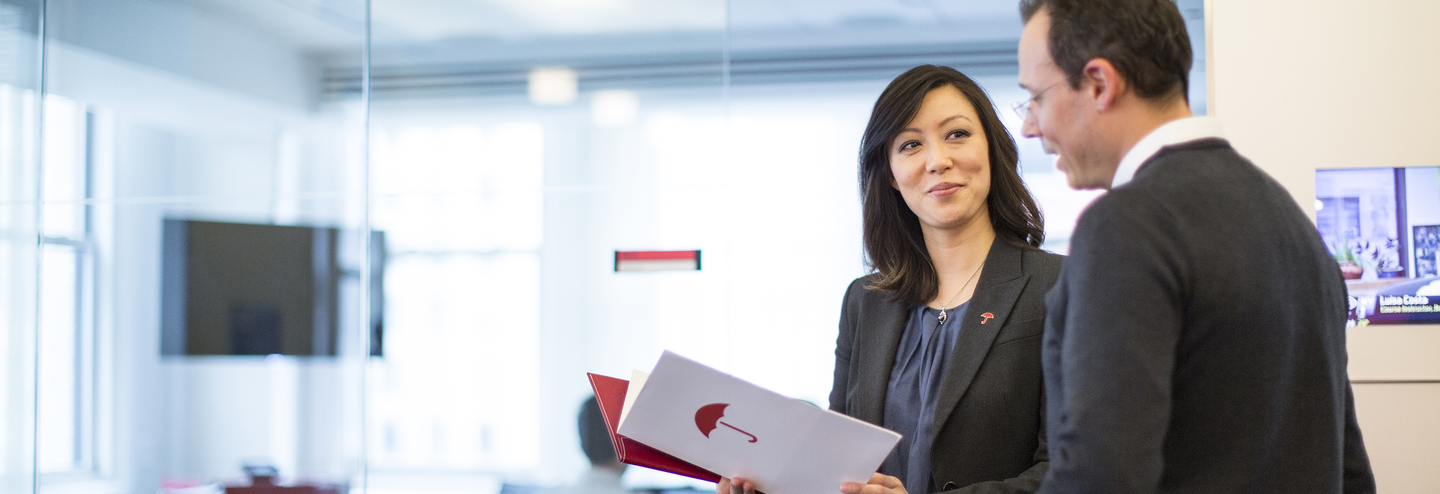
<point x="438" y="47"/>
<point x="320" y="25"/>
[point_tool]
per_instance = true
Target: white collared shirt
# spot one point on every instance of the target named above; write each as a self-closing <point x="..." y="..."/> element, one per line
<point x="1175" y="132"/>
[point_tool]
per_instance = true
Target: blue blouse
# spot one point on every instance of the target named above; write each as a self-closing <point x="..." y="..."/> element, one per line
<point x="914" y="387"/>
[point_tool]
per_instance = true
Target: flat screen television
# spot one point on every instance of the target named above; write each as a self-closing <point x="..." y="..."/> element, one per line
<point x="255" y="289"/>
<point x="1382" y="225"/>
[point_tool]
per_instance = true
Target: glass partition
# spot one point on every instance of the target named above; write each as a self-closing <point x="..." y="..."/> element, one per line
<point x="515" y="146"/>
<point x="20" y="102"/>
<point x="162" y="114"/>
<point x="372" y="244"/>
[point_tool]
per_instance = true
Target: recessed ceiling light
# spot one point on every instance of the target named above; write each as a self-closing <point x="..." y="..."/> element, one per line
<point x="552" y="85"/>
<point x="614" y="108"/>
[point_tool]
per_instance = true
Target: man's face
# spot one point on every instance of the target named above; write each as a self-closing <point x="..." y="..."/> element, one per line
<point x="1058" y="114"/>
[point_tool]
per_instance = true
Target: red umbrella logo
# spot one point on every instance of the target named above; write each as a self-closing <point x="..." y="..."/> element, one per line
<point x="708" y="416"/>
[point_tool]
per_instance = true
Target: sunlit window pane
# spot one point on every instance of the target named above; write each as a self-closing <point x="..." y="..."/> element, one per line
<point x="64" y="167"/>
<point x="458" y="388"/>
<point x="59" y="350"/>
<point x="428" y="177"/>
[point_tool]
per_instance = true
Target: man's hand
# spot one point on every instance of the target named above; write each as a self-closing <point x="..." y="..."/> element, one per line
<point x="734" y="486"/>
<point x="879" y="484"/>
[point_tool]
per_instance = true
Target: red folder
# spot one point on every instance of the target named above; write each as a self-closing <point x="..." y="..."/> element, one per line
<point x="610" y="394"/>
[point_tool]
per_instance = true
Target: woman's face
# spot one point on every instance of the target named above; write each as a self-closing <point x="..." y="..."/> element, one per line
<point x="940" y="162"/>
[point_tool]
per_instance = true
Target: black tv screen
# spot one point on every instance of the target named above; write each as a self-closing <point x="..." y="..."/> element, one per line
<point x="255" y="289"/>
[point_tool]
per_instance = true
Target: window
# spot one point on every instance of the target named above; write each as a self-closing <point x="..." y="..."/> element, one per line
<point x="457" y="389"/>
<point x="66" y="433"/>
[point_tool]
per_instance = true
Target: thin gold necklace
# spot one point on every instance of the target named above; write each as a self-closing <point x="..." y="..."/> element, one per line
<point x="962" y="290"/>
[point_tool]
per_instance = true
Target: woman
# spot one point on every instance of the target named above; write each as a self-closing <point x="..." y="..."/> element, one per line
<point x="942" y="342"/>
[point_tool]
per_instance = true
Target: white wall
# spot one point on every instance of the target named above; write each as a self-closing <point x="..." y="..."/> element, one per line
<point x="1305" y="84"/>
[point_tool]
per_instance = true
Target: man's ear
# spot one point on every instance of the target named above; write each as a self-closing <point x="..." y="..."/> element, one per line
<point x="1102" y="83"/>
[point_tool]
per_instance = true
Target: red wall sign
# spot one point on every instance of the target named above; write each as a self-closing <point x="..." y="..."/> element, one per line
<point x="657" y="260"/>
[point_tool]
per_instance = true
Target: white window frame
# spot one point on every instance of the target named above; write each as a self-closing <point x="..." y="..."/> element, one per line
<point x="85" y="472"/>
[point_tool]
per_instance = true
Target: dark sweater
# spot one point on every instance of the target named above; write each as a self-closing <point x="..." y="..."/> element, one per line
<point x="1195" y="341"/>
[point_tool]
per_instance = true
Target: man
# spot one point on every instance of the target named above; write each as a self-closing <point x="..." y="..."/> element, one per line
<point x="605" y="470"/>
<point x="1195" y="341"/>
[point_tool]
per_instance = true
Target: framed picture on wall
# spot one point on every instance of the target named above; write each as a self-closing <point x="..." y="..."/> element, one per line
<point x="1427" y="246"/>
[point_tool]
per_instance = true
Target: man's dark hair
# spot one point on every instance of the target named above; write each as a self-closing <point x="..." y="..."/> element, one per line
<point x="1145" y="40"/>
<point x="893" y="239"/>
<point x="594" y="437"/>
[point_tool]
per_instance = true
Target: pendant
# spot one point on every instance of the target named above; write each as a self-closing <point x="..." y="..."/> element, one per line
<point x="942" y="315"/>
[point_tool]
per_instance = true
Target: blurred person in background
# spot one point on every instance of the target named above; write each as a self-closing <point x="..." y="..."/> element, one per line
<point x="605" y="470"/>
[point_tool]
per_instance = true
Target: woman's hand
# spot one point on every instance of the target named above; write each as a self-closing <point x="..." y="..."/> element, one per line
<point x="735" y="486"/>
<point x="879" y="484"/>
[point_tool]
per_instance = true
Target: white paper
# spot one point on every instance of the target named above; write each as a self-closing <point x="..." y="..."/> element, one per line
<point x="637" y="383"/>
<point x="785" y="446"/>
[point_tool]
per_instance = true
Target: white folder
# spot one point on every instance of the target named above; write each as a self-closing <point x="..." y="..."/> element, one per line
<point x="738" y="429"/>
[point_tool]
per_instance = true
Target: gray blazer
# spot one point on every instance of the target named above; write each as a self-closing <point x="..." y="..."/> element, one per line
<point x="990" y="421"/>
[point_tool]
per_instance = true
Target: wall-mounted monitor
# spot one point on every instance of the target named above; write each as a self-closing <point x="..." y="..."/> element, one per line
<point x="254" y="289"/>
<point x="1382" y="225"/>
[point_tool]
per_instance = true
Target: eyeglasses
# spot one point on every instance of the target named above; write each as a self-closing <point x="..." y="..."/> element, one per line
<point x="1022" y="108"/>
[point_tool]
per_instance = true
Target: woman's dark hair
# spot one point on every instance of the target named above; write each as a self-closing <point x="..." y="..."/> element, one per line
<point x="1145" y="40"/>
<point x="893" y="240"/>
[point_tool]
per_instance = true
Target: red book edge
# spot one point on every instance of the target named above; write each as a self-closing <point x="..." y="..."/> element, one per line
<point x="610" y="394"/>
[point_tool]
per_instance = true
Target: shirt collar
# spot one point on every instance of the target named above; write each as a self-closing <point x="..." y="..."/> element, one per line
<point x="1175" y="132"/>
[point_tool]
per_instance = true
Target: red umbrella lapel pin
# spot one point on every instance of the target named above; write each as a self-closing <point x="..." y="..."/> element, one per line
<point x="708" y="416"/>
